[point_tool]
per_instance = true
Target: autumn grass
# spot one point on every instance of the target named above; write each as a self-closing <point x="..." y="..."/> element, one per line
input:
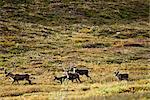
<point x="74" y="91"/>
<point x="111" y="36"/>
<point x="46" y="56"/>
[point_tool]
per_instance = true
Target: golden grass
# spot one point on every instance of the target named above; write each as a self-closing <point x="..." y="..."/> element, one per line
<point x="72" y="91"/>
<point x="42" y="50"/>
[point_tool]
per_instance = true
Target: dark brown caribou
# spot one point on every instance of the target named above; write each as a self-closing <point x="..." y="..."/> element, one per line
<point x="61" y="79"/>
<point x="121" y="76"/>
<point x="81" y="71"/>
<point x="73" y="76"/>
<point x="18" y="77"/>
<point x="69" y="76"/>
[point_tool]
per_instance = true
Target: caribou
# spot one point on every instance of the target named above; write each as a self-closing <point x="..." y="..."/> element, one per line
<point x="72" y="76"/>
<point x="121" y="76"/>
<point x="61" y="79"/>
<point x="18" y="77"/>
<point x="81" y="71"/>
<point x="69" y="76"/>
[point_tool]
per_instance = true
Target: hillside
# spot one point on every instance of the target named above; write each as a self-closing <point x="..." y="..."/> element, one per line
<point x="41" y="37"/>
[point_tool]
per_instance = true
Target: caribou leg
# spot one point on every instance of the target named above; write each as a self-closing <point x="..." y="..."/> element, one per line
<point x="13" y="81"/>
<point x="61" y="81"/>
<point x="72" y="80"/>
<point x="29" y="81"/>
<point x="89" y="77"/>
<point x="17" y="82"/>
<point x="79" y="79"/>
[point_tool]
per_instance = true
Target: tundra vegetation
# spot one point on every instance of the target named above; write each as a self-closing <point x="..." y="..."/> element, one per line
<point x="40" y="37"/>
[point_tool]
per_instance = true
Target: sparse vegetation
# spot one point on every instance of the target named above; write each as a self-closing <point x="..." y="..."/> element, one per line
<point x="41" y="37"/>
